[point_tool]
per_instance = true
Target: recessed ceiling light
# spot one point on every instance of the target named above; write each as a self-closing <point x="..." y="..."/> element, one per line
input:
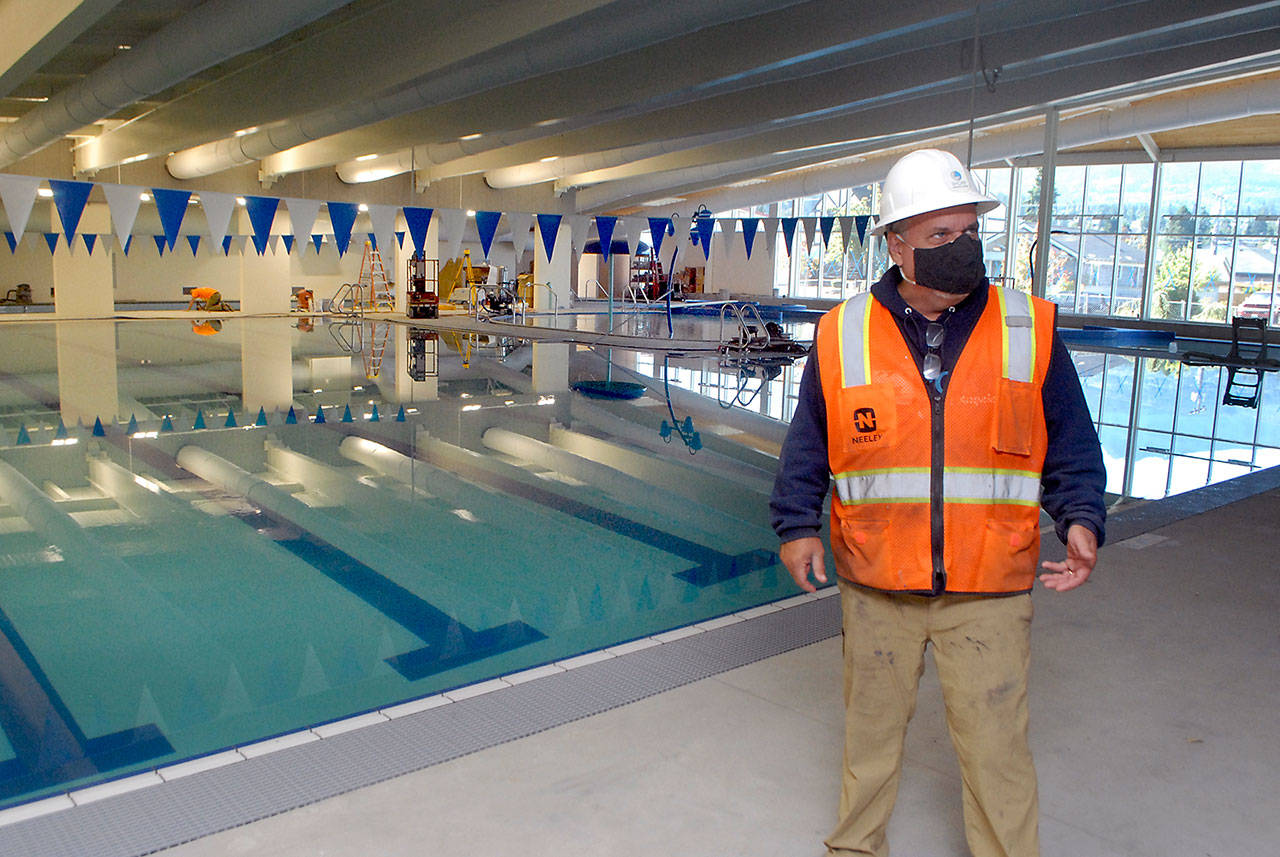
<point x="244" y="131"/>
<point x="44" y="192"/>
<point x="475" y="136"/>
<point x="362" y="207"/>
<point x="240" y="200"/>
<point x="550" y="158"/>
<point x="366" y="157"/>
<point x="145" y="197"/>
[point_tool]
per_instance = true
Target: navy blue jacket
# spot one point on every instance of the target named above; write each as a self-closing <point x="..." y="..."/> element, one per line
<point x="1073" y="478"/>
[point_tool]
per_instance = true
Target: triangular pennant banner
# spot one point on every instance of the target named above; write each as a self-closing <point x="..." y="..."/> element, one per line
<point x="810" y="225"/>
<point x="418" y="221"/>
<point x="487" y="226"/>
<point x="127" y="244"/>
<point x="684" y="237"/>
<point x="604" y="228"/>
<point x="400" y="239"/>
<point x="69" y="198"/>
<point x="226" y="245"/>
<point x="826" y="223"/>
<point x="273" y="244"/>
<point x="51" y="238"/>
<point x="789" y="232"/>
<point x="172" y="205"/>
<point x="343" y="216"/>
<point x="453" y="221"/>
<point x="218" y="208"/>
<point x="749" y="227"/>
<point x="288" y="243"/>
<point x="19" y="195"/>
<point x="548" y="228"/>
<point x="579" y="229"/>
<point x="302" y="217"/>
<point x="383" y="220"/>
<point x="123" y="202"/>
<point x="161" y="241"/>
<point x="846" y="230"/>
<point x="706" y="225"/>
<point x="633" y="229"/>
<point x="520" y="225"/>
<point x="770" y="236"/>
<point x="658" y="232"/>
<point x="262" y="213"/>
<point x="862" y="220"/>
<point x="90" y="240"/>
<point x="194" y="241"/>
<point x="317" y="240"/>
<point x="13" y="241"/>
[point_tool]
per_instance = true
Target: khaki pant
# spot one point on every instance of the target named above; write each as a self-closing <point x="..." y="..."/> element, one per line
<point x="982" y="653"/>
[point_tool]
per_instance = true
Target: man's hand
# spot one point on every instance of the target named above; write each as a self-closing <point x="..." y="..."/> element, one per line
<point x="1082" y="553"/>
<point x="803" y="556"/>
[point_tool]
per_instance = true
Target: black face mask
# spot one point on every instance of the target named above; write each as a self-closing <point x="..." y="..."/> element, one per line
<point x="956" y="267"/>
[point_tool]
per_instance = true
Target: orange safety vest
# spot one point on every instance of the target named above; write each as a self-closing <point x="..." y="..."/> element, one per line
<point x="899" y="515"/>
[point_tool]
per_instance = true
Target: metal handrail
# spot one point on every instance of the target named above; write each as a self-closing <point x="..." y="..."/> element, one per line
<point x="347" y="292"/>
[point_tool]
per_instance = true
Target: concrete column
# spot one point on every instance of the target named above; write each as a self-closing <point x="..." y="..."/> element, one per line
<point x="266" y="364"/>
<point x="88" y="387"/>
<point x="550" y="367"/>
<point x="556" y="272"/>
<point x="84" y="284"/>
<point x="1050" y="164"/>
<point x="264" y="281"/>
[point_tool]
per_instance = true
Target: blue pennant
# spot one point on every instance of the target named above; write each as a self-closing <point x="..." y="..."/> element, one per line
<point x="418" y="221"/>
<point x="291" y="418"/>
<point x="23" y="437"/>
<point x="343" y="216"/>
<point x="400" y="415"/>
<point x="320" y="413"/>
<point x="317" y="240"/>
<point x="288" y="243"/>
<point x="373" y="418"/>
<point x="194" y="241"/>
<point x="487" y="226"/>
<point x="705" y="226"/>
<point x="90" y="240"/>
<point x="372" y="239"/>
<point x="231" y="419"/>
<point x="400" y="240"/>
<point x="749" y="227"/>
<point x="167" y="425"/>
<point x="789" y="231"/>
<point x="13" y="241"/>
<point x="262" y="416"/>
<point x="51" y="238"/>
<point x="862" y="220"/>
<point x="548" y="228"/>
<point x="199" y="423"/>
<point x="226" y="245"/>
<point x="658" y="227"/>
<point x="133" y="424"/>
<point x="825" y="224"/>
<point x="172" y="205"/>
<point x="98" y="430"/>
<point x="346" y="414"/>
<point x="70" y="198"/>
<point x="161" y="241"/>
<point x="262" y="213"/>
<point x="604" y="227"/>
<point x="61" y="433"/>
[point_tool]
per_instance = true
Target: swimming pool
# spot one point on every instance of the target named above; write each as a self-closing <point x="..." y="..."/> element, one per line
<point x="204" y="568"/>
<point x="209" y="568"/>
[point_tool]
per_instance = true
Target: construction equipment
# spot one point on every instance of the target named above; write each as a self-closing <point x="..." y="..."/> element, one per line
<point x="422" y="294"/>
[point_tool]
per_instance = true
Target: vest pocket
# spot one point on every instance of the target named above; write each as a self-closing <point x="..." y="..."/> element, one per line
<point x="1014" y="412"/>
<point x="867" y="416"/>
<point x="868" y="541"/>
<point x="1010" y="550"/>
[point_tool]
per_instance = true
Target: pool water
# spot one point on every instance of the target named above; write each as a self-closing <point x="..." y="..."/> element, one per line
<point x="314" y="570"/>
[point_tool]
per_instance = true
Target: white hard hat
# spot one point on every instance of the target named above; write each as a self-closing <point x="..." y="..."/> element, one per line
<point x="927" y="180"/>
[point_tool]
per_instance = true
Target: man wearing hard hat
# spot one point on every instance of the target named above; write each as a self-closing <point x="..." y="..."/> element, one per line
<point x="948" y="413"/>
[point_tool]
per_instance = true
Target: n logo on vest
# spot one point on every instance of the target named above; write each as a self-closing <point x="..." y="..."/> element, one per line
<point x="864" y="420"/>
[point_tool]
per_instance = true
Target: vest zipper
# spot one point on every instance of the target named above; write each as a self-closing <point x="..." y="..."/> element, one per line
<point x="937" y="463"/>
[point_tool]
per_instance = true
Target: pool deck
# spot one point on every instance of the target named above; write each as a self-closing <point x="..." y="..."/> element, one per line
<point x="1152" y="721"/>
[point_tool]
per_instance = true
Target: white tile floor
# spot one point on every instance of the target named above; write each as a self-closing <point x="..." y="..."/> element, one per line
<point x="1153" y="720"/>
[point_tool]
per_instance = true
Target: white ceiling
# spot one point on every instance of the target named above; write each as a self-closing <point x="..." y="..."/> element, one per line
<point x="609" y="104"/>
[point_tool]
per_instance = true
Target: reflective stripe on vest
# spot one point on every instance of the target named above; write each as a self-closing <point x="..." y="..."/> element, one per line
<point x="1018" y="334"/>
<point x="960" y="485"/>
<point x="855" y="322"/>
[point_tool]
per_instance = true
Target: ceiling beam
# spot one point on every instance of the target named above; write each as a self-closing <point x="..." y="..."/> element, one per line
<point x="31" y="40"/>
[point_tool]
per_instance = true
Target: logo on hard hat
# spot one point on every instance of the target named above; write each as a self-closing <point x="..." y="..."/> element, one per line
<point x="957" y="179"/>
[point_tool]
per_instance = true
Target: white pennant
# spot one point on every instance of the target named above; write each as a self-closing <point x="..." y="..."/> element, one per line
<point x="302" y="217"/>
<point x="846" y="230"/>
<point x="579" y="226"/>
<point x="239" y="242"/>
<point x="217" y="211"/>
<point x="810" y="225"/>
<point x="768" y="233"/>
<point x="273" y="244"/>
<point x="122" y="202"/>
<point x="633" y="228"/>
<point x="383" y="220"/>
<point x="520" y="224"/>
<point x="19" y="195"/>
<point x="452" y="223"/>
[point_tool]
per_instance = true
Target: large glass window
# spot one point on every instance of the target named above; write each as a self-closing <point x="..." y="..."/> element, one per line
<point x="1209" y="252"/>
